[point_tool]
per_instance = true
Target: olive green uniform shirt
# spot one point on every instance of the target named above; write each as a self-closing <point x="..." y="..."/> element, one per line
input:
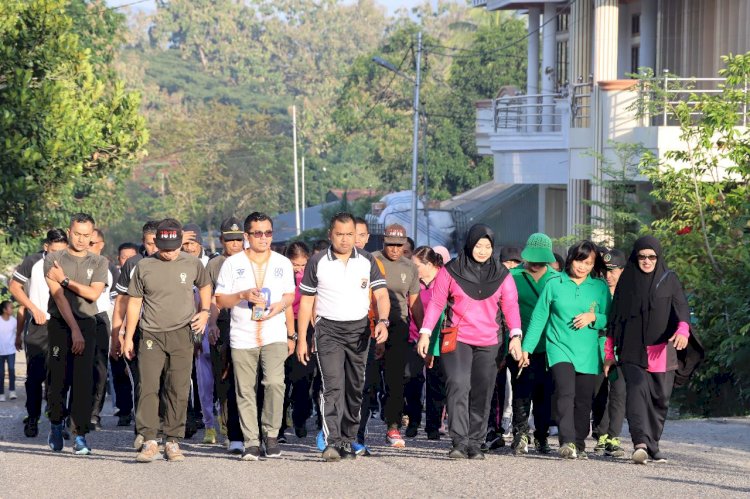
<point x="84" y="270"/>
<point x="402" y="280"/>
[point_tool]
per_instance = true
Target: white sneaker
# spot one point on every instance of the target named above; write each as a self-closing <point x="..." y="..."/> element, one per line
<point x="12" y="395"/>
<point x="2" y="397"/>
<point x="236" y="447"/>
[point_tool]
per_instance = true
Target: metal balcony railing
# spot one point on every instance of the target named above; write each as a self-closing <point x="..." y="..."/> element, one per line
<point x="528" y="113"/>
<point x="580" y="104"/>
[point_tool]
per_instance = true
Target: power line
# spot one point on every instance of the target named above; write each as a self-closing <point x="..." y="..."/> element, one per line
<point x="116" y="7"/>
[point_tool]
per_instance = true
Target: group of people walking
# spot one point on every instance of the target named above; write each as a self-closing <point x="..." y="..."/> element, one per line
<point x="262" y="334"/>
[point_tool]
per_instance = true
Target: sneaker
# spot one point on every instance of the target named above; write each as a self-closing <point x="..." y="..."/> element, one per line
<point x="393" y="437"/>
<point x="95" y="424"/>
<point x="300" y="431"/>
<point x="124" y="419"/>
<point x="613" y="448"/>
<point x="475" y="453"/>
<point x="236" y="447"/>
<point x="658" y="457"/>
<point x="282" y="438"/>
<point x="404" y="421"/>
<point x="601" y="443"/>
<point x="457" y="453"/>
<point x="553" y="432"/>
<point x="55" y="438"/>
<point x="190" y="429"/>
<point x="494" y="440"/>
<point x="251" y="453"/>
<point x="433" y="435"/>
<point x="568" y="451"/>
<point x="484" y="447"/>
<point x="320" y="441"/>
<point x="520" y="444"/>
<point x="347" y="451"/>
<point x="12" y="395"/>
<point x="31" y="427"/>
<point x="331" y="454"/>
<point x="149" y="452"/>
<point x="542" y="446"/>
<point x="639" y="456"/>
<point x="360" y="449"/>
<point x="411" y="431"/>
<point x="271" y="447"/>
<point x="209" y="437"/>
<point x="173" y="453"/>
<point x="582" y="454"/>
<point x="80" y="447"/>
<point x="2" y="396"/>
<point x="138" y="442"/>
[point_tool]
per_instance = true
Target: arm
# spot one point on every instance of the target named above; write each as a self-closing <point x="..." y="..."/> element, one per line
<point x="440" y="291"/>
<point x="20" y="322"/>
<point x="384" y="308"/>
<point x="539" y="318"/>
<point x="90" y="293"/>
<point x="509" y="305"/>
<point x="57" y="293"/>
<point x="290" y="330"/>
<point x="200" y="319"/>
<point x="303" y="322"/>
<point x="417" y="309"/>
<point x="16" y="289"/>
<point x="131" y="320"/>
<point x="117" y="333"/>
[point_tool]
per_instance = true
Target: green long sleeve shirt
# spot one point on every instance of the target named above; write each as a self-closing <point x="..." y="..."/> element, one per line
<point x="529" y="292"/>
<point x="560" y="301"/>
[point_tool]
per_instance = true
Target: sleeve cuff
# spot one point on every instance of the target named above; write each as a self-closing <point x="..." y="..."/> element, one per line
<point x="683" y="329"/>
<point x="515" y="332"/>
<point x="426" y="331"/>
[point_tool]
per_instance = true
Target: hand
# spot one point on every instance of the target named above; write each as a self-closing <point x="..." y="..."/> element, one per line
<point x="213" y="334"/>
<point x="608" y="365"/>
<point x="78" y="342"/>
<point x="40" y="318"/>
<point x="115" y="346"/>
<point x="19" y="343"/>
<point x="514" y="348"/>
<point x="56" y="273"/>
<point x="199" y="321"/>
<point x="381" y="333"/>
<point x="276" y="308"/>
<point x="582" y="320"/>
<point x="379" y="351"/>
<point x="128" y="349"/>
<point x="524" y="360"/>
<point x="188" y="235"/>
<point x="679" y="341"/>
<point x="303" y="355"/>
<point x="290" y="345"/>
<point x="253" y="296"/>
<point x="423" y="345"/>
<point x="429" y="361"/>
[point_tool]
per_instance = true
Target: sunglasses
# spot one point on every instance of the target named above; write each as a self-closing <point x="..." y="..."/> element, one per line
<point x="651" y="258"/>
<point x="92" y="243"/>
<point x="260" y="233"/>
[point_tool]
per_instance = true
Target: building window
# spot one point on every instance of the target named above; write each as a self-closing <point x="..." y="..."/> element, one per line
<point x="562" y="22"/>
<point x="634" y="56"/>
<point x="635" y="25"/>
<point x="561" y="68"/>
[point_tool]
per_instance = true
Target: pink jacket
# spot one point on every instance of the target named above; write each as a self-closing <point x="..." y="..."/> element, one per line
<point x="657" y="354"/>
<point x="477" y="320"/>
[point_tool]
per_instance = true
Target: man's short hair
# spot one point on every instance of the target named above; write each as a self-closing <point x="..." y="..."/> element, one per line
<point x="256" y="216"/>
<point x="321" y="245"/>
<point x="150" y="227"/>
<point x="56" y="236"/>
<point x="127" y="246"/>
<point x="341" y="217"/>
<point x="99" y="232"/>
<point x="360" y="221"/>
<point x="81" y="218"/>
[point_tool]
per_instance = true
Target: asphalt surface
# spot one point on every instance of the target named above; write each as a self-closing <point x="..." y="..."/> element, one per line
<point x="706" y="458"/>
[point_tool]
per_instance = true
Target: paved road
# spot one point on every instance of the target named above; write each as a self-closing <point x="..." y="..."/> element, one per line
<point x="707" y="458"/>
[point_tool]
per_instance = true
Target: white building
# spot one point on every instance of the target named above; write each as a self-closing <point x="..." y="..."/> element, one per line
<point x="578" y="98"/>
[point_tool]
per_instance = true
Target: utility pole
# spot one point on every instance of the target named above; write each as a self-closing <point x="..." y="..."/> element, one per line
<point x="415" y="144"/>
<point x="303" y="193"/>
<point x="296" y="176"/>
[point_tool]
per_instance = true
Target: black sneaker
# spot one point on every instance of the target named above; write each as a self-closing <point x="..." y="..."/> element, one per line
<point x="542" y="446"/>
<point x="475" y="453"/>
<point x="411" y="431"/>
<point x="282" y="438"/>
<point x="457" y="453"/>
<point x="658" y="457"/>
<point x="300" y="431"/>
<point x="331" y="454"/>
<point x="346" y="452"/>
<point x="433" y="435"/>
<point x="190" y="429"/>
<point x="272" y="448"/>
<point x="494" y="440"/>
<point x="124" y="419"/>
<point x="251" y="453"/>
<point x="520" y="444"/>
<point x="31" y="427"/>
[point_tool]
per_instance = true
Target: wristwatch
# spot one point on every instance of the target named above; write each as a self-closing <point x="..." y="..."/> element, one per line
<point x="206" y="310"/>
<point x="384" y="321"/>
<point x="292" y="337"/>
<point x="64" y="283"/>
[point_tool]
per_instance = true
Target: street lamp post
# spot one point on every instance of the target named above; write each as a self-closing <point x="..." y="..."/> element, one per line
<point x="415" y="143"/>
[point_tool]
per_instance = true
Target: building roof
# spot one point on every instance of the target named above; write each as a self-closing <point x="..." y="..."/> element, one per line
<point x="483" y="200"/>
<point x="284" y="224"/>
<point x="515" y="4"/>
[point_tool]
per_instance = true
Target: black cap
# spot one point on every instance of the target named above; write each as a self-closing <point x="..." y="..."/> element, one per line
<point x="194" y="228"/>
<point x="510" y="253"/>
<point x="168" y="235"/>
<point x="615" y="259"/>
<point x="231" y="229"/>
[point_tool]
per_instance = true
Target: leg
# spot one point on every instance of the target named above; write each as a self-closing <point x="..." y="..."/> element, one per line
<point x="372" y="377"/>
<point x="59" y="348"/>
<point x="600" y="415"/>
<point x="458" y="385"/>
<point x="584" y="387"/>
<point x="483" y="372"/>
<point x="152" y="360"/>
<point x="331" y="359"/>
<point x="301" y="377"/>
<point x="395" y="365"/>
<point x="637" y="403"/>
<point x="542" y="396"/>
<point x="123" y="386"/>
<point x="272" y="358"/>
<point x="354" y="372"/>
<point x="616" y="405"/>
<point x="36" y="346"/>
<point x="435" y="396"/>
<point x="245" y="364"/>
<point x="521" y="399"/>
<point x="3" y="360"/>
<point x="205" y="376"/>
<point x="564" y="401"/>
<point x="82" y="381"/>
<point x="179" y="349"/>
<point x="414" y="382"/>
<point x="101" y="366"/>
<point x="660" y="385"/>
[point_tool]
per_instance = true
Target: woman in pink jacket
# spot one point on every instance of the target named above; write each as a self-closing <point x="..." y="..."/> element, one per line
<point x="475" y="287"/>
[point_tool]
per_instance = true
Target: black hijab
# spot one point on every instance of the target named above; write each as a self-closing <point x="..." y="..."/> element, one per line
<point x="646" y="307"/>
<point x="478" y="280"/>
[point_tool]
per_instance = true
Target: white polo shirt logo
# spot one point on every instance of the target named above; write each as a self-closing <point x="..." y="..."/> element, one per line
<point x="183" y="278"/>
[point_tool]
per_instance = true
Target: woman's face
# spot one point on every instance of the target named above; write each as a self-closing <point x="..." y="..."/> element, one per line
<point x="482" y="251"/>
<point x="579" y="269"/>
<point x="426" y="269"/>
<point x="298" y="264"/>
<point x="647" y="260"/>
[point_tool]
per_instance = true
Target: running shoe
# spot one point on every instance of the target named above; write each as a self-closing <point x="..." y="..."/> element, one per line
<point x="138" y="442"/>
<point x="236" y="447"/>
<point x="347" y="451"/>
<point x="457" y="453"/>
<point x="209" y="437"/>
<point x="360" y="449"/>
<point x="568" y="451"/>
<point x="658" y="457"/>
<point x="393" y="437"/>
<point x="31" y="427"/>
<point x="494" y="440"/>
<point x="149" y="452"/>
<point x="411" y="431"/>
<point x="613" y="448"/>
<point x="639" y="456"/>
<point x="520" y="444"/>
<point x="251" y="453"/>
<point x="300" y="431"/>
<point x="475" y="453"/>
<point x="12" y="395"/>
<point x="55" y="438"/>
<point x="282" y="438"/>
<point x="542" y="446"/>
<point x="331" y="454"/>
<point x="433" y="435"/>
<point x="601" y="443"/>
<point x="320" y="441"/>
<point x="80" y="447"/>
<point x="582" y="454"/>
<point x="124" y="419"/>
<point x="173" y="453"/>
<point x="271" y="447"/>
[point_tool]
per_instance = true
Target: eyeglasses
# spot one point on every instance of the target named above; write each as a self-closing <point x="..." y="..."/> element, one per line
<point x="651" y="258"/>
<point x="260" y="233"/>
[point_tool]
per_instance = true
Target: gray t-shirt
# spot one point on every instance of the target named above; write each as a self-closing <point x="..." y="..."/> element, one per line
<point x="84" y="270"/>
<point x="167" y="291"/>
<point x="402" y="280"/>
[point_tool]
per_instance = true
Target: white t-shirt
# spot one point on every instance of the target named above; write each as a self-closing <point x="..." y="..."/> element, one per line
<point x="104" y="302"/>
<point x="275" y="278"/>
<point x="7" y="336"/>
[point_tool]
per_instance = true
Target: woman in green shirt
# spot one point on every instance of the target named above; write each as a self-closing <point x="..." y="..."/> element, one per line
<point x="571" y="312"/>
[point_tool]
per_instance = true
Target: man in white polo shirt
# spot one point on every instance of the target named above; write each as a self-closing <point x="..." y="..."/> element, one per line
<point x="339" y="281"/>
<point x="258" y="285"/>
